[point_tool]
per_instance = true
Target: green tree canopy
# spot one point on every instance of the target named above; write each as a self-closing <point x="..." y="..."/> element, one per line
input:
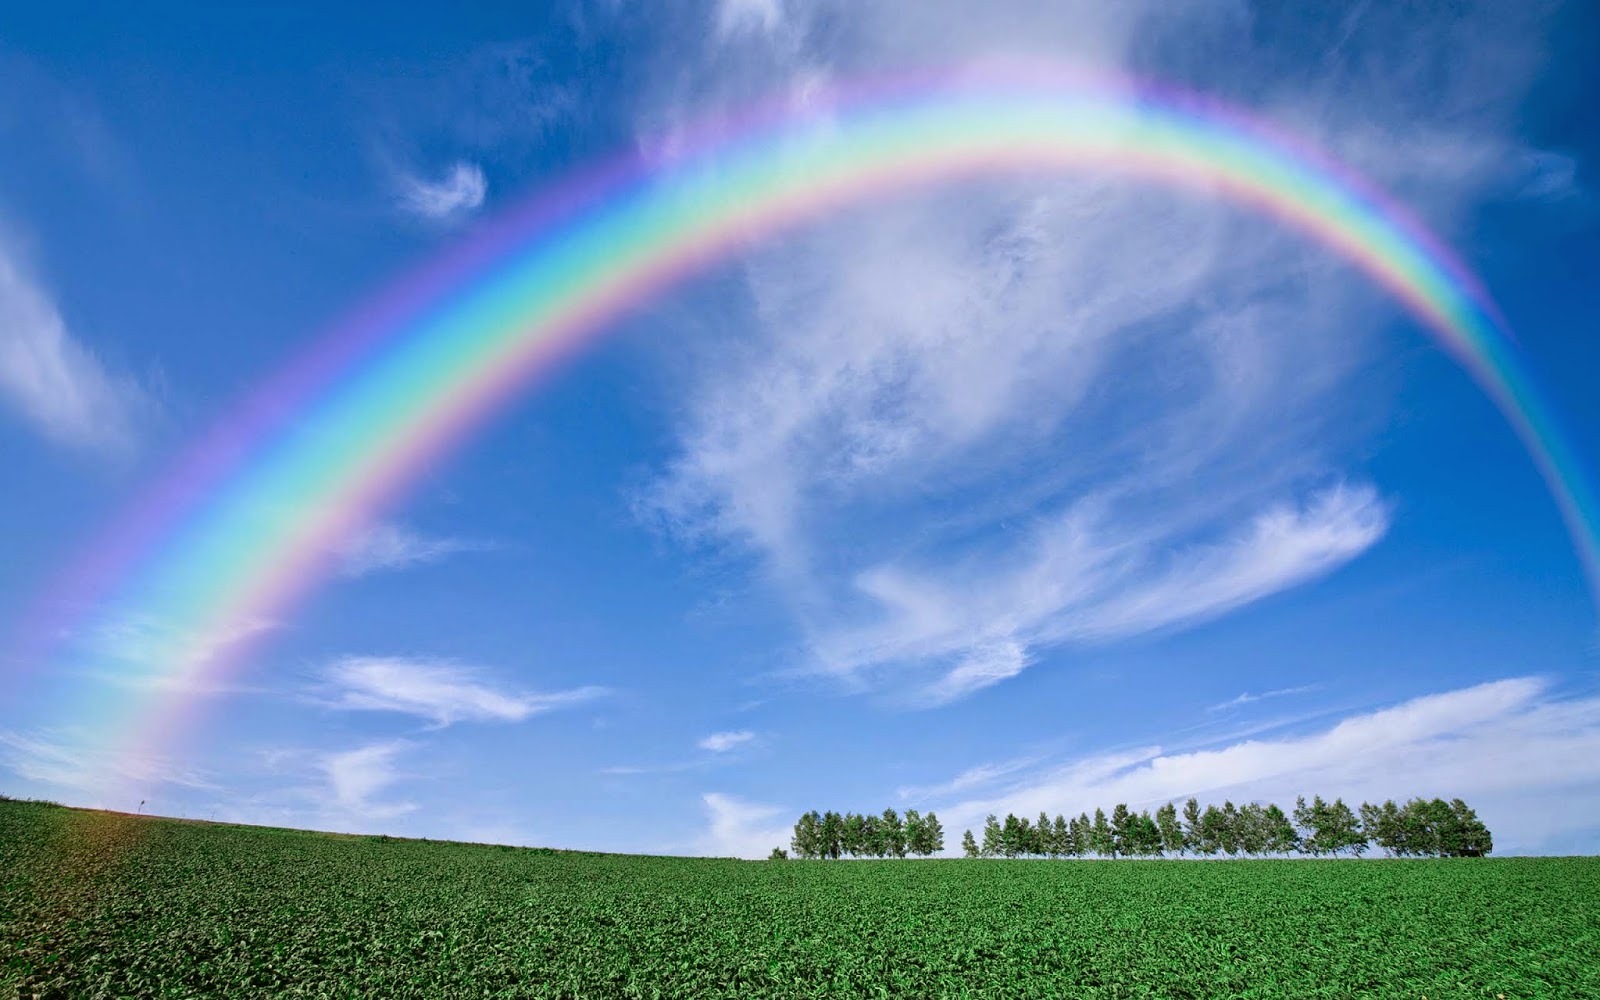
<point x="1171" y="831"/>
<point x="969" y="846"/>
<point x="993" y="837"/>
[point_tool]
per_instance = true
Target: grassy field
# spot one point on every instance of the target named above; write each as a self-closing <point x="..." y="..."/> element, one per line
<point x="103" y="905"/>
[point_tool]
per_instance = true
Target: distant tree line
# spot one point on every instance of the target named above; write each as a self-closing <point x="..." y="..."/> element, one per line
<point x="1420" y="828"/>
<point x="888" y="835"/>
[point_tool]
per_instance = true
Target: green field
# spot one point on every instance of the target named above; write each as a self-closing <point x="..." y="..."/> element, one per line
<point x="103" y="905"/>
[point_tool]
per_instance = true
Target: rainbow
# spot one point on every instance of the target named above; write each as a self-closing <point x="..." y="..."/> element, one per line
<point x="246" y="524"/>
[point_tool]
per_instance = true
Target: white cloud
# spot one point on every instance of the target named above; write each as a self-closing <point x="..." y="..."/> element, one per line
<point x="1246" y="698"/>
<point x="1077" y="581"/>
<point x="150" y="652"/>
<point x="457" y="194"/>
<point x="349" y="791"/>
<point x="736" y="16"/>
<point x="715" y="743"/>
<point x="1517" y="754"/>
<point x="741" y="829"/>
<point x="53" y="380"/>
<point x="127" y="775"/>
<point x="973" y="777"/>
<point x="723" y="742"/>
<point x="391" y="546"/>
<point x="441" y="692"/>
<point x="355" y="777"/>
<point x="985" y="663"/>
<point x="634" y="770"/>
<point x="1282" y="547"/>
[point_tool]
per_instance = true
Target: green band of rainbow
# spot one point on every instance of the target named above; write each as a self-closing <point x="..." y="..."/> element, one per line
<point x="263" y="535"/>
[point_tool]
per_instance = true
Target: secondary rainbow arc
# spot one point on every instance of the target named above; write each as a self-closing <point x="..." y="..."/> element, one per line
<point x="534" y="288"/>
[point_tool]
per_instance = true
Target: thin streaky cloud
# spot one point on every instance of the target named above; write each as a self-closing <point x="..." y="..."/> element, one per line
<point x="1080" y="579"/>
<point x="441" y="692"/>
<point x="356" y="776"/>
<point x="1247" y="698"/>
<point x="56" y="383"/>
<point x="979" y="776"/>
<point x="734" y="17"/>
<point x="53" y="759"/>
<point x="723" y="742"/>
<point x="459" y="193"/>
<point x="739" y="828"/>
<point x="392" y="546"/>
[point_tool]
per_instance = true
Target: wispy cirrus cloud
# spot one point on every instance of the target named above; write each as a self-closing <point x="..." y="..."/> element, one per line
<point x="453" y="196"/>
<point x="349" y="789"/>
<point x="979" y="776"/>
<point x="356" y="777"/>
<point x="392" y="546"/>
<point x="441" y="692"/>
<point x="139" y="650"/>
<point x="718" y="745"/>
<point x="1155" y="387"/>
<point x="740" y="828"/>
<point x="723" y="742"/>
<point x="1248" y="698"/>
<point x="56" y="760"/>
<point x="736" y="16"/>
<point x="1076" y="580"/>
<point x="55" y="382"/>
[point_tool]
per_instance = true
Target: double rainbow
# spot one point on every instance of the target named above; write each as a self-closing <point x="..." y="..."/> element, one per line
<point x="247" y="524"/>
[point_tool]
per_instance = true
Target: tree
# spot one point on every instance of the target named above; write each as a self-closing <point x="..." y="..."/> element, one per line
<point x="915" y="834"/>
<point x="1101" y="840"/>
<point x="832" y="831"/>
<point x="932" y="834"/>
<point x="1342" y="831"/>
<point x="993" y="837"/>
<point x="969" y="846"/>
<point x="1450" y="832"/>
<point x="1211" y="830"/>
<point x="778" y="854"/>
<point x="1171" y="832"/>
<point x="1305" y="823"/>
<point x="1191" y="825"/>
<point x="893" y="833"/>
<point x="871" y="837"/>
<point x="1015" y="835"/>
<point x="1061" y="837"/>
<point x="1442" y="826"/>
<point x="1280" y="835"/>
<point x="1044" y="841"/>
<point x="1121" y="830"/>
<point x="1372" y="825"/>
<point x="807" y="840"/>
<point x="1252" y="828"/>
<point x="1146" y="835"/>
<point x="1079" y="829"/>
<point x="1417" y="830"/>
<point x="1229" y="831"/>
<point x="1474" y="840"/>
<point x="854" y="838"/>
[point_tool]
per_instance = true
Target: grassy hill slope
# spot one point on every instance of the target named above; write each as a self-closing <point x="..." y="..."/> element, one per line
<point x="108" y="905"/>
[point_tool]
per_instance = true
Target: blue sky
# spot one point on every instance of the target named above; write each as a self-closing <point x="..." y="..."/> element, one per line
<point x="1026" y="494"/>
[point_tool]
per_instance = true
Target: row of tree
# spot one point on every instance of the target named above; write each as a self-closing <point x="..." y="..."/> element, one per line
<point x="833" y="835"/>
<point x="1420" y="828"/>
